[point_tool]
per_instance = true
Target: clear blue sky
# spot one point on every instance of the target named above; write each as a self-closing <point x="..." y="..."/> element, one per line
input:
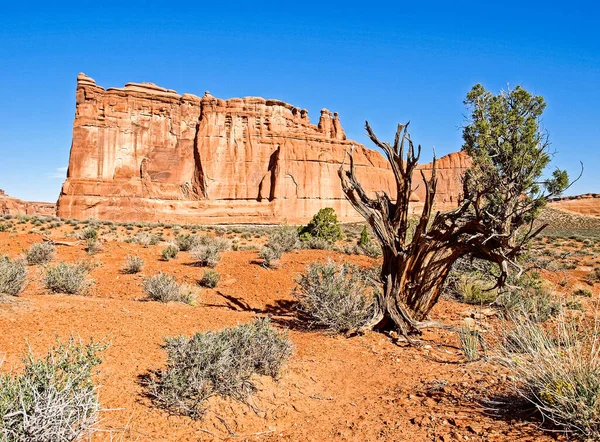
<point x="385" y="62"/>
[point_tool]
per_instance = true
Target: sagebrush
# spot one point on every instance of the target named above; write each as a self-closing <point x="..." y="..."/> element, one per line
<point x="133" y="264"/>
<point x="53" y="399"/>
<point x="220" y="362"/>
<point x="170" y="252"/>
<point x="40" y="253"/>
<point x="145" y="239"/>
<point x="13" y="274"/>
<point x="165" y="288"/>
<point x="67" y="278"/>
<point x="271" y="254"/>
<point x="208" y="251"/>
<point x="187" y="241"/>
<point x="285" y="238"/>
<point x="336" y="296"/>
<point x="210" y="279"/>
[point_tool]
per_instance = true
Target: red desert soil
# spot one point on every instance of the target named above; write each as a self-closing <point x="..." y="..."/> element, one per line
<point x="365" y="388"/>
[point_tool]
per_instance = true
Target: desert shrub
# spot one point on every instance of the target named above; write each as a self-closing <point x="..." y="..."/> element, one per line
<point x="557" y="369"/>
<point x="469" y="341"/>
<point x="364" y="237"/>
<point x="40" y="253"/>
<point x="468" y="276"/>
<point x="271" y="254"/>
<point x="67" y="278"/>
<point x="206" y="255"/>
<point x="133" y="264"/>
<point x="210" y="279"/>
<point x="595" y="275"/>
<point x="317" y="243"/>
<point x="338" y="297"/>
<point x="220" y="362"/>
<point x="208" y="252"/>
<point x="186" y="241"/>
<point x="93" y="246"/>
<point x="165" y="288"/>
<point x="472" y="291"/>
<point x="92" y="221"/>
<point x="145" y="239"/>
<point x="3" y="227"/>
<point x="573" y="304"/>
<point x="170" y="252"/>
<point x="533" y="301"/>
<point x="324" y="225"/>
<point x="13" y="275"/>
<point x="471" y="279"/>
<point x="285" y="238"/>
<point x="371" y="249"/>
<point x="53" y="399"/>
<point x="89" y="233"/>
<point x="221" y="244"/>
<point x="586" y="293"/>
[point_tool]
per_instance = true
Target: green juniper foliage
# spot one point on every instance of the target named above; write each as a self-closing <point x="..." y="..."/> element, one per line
<point x="509" y="152"/>
<point x="324" y="225"/>
<point x="364" y="236"/>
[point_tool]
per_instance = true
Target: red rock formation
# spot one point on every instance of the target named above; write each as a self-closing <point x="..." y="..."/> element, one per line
<point x="144" y="152"/>
<point x="15" y="206"/>
<point x="587" y="204"/>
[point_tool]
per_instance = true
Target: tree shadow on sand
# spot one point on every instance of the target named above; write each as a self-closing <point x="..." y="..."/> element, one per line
<point x="523" y="418"/>
<point x="518" y="411"/>
<point x="283" y="312"/>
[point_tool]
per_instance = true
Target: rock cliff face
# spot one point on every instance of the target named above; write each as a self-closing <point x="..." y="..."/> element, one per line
<point x="586" y="204"/>
<point x="144" y="152"/>
<point x="15" y="206"/>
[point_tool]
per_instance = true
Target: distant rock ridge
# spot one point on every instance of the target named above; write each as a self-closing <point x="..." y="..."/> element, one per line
<point x="14" y="206"/>
<point x="586" y="204"/>
<point x="146" y="153"/>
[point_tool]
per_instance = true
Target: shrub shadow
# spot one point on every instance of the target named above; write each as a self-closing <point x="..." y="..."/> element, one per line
<point x="283" y="312"/>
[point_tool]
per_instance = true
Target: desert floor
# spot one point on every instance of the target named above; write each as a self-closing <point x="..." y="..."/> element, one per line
<point x="363" y="388"/>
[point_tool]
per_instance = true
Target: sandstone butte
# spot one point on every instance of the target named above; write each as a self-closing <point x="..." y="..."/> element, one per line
<point x="146" y="153"/>
<point x="15" y="206"/>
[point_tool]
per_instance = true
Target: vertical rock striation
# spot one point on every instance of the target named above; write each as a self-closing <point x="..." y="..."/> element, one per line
<point x="143" y="152"/>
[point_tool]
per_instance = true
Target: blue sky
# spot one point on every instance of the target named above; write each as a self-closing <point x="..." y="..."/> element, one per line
<point x="385" y="62"/>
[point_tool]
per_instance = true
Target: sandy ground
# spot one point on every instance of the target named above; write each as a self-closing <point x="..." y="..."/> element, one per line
<point x="365" y="388"/>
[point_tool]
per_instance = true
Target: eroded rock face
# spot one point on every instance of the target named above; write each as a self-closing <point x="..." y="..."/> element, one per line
<point x="144" y="152"/>
<point x="586" y="204"/>
<point x="15" y="206"/>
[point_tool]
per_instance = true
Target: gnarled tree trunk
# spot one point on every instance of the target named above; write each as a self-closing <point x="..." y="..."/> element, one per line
<point x="414" y="268"/>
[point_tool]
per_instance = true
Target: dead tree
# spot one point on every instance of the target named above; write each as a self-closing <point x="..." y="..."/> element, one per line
<point x="415" y="263"/>
<point x="418" y="259"/>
